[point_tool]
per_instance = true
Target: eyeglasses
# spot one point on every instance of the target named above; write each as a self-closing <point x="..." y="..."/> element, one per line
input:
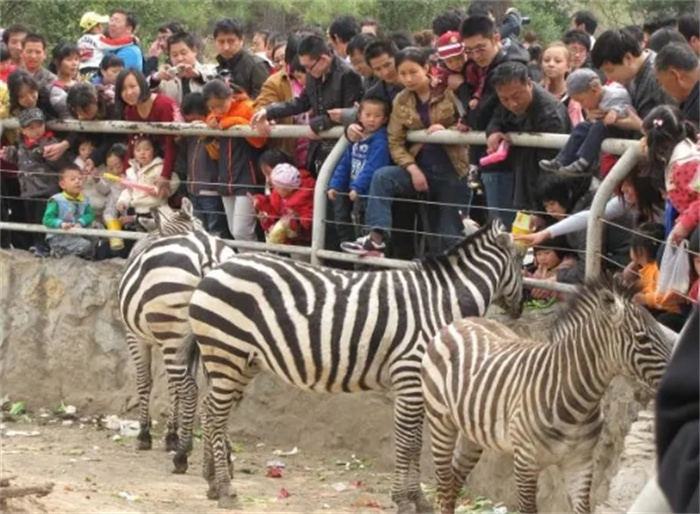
<point x="311" y="68"/>
<point x="476" y="50"/>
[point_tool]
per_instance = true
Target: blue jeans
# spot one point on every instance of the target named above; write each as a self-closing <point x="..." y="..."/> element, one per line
<point x="210" y="211"/>
<point x="444" y="186"/>
<point x="499" y="187"/>
<point x="584" y="143"/>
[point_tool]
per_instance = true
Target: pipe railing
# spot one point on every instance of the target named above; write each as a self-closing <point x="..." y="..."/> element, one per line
<point x="627" y="148"/>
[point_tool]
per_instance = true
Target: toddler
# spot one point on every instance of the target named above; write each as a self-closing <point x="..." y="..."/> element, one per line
<point x="286" y="214"/>
<point x="67" y="209"/>
<point x="583" y="146"/>
<point x="550" y="258"/>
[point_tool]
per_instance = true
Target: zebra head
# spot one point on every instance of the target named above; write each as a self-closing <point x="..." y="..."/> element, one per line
<point x="638" y="346"/>
<point x="509" y="294"/>
<point x="169" y="222"/>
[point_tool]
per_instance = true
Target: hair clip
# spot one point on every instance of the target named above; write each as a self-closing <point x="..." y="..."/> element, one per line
<point x="658" y="122"/>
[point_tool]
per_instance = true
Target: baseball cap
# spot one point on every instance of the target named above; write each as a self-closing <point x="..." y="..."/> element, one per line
<point x="91" y="18"/>
<point x="27" y="116"/>
<point x="450" y="45"/>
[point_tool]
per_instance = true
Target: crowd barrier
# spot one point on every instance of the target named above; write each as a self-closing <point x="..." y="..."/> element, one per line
<point x="628" y="149"/>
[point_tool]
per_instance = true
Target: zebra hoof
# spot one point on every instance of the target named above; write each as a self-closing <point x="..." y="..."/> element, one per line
<point x="145" y="442"/>
<point x="213" y="493"/>
<point x="180" y="462"/>
<point x="172" y="442"/>
<point x="227" y="501"/>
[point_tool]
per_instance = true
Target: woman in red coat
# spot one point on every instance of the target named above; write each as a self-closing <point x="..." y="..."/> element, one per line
<point x="136" y="102"/>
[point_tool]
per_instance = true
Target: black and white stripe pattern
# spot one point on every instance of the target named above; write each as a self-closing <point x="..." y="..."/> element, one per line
<point x="335" y="331"/>
<point x="486" y="387"/>
<point x="154" y="294"/>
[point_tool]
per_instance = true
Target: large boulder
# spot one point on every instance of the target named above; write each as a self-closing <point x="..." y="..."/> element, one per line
<point x="62" y="340"/>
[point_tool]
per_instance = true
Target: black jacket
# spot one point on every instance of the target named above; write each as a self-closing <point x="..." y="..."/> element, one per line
<point x="678" y="423"/>
<point x="245" y="70"/>
<point x="339" y="87"/>
<point x="545" y="114"/>
<point x="691" y="106"/>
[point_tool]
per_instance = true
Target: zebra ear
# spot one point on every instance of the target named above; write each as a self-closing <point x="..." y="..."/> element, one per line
<point x="157" y="220"/>
<point x="611" y="304"/>
<point x="186" y="208"/>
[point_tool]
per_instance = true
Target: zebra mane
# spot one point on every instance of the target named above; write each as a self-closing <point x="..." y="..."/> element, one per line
<point x="438" y="261"/>
<point x="588" y="293"/>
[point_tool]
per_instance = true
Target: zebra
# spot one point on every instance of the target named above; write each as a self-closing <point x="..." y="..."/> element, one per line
<point x="486" y="387"/>
<point x="336" y="331"/>
<point x="153" y="294"/>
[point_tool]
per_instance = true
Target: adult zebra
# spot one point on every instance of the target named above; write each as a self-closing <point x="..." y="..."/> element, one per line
<point x="154" y="292"/>
<point x="486" y="387"/>
<point x="328" y="330"/>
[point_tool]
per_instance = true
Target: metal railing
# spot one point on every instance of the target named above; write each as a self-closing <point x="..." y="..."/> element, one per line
<point x="629" y="150"/>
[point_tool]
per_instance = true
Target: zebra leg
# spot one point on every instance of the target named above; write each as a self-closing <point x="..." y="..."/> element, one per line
<point x="443" y="437"/>
<point x="207" y="451"/>
<point x="422" y="504"/>
<point x="408" y="424"/>
<point x="141" y="355"/>
<point x="465" y="457"/>
<point x="526" y="473"/>
<point x="578" y="477"/>
<point x="187" y="393"/>
<point x="171" y="439"/>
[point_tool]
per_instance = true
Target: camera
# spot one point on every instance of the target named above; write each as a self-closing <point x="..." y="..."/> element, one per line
<point x="525" y="20"/>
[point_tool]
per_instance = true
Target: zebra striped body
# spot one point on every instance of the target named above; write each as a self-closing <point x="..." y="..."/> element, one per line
<point x="154" y="293"/>
<point x="339" y="331"/>
<point x="486" y="387"/>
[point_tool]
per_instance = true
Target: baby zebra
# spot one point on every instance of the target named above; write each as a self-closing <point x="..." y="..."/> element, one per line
<point x="486" y="387"/>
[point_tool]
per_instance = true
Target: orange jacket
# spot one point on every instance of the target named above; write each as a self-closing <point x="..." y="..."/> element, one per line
<point x="240" y="114"/>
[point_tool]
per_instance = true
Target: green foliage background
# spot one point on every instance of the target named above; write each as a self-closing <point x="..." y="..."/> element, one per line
<point x="58" y="19"/>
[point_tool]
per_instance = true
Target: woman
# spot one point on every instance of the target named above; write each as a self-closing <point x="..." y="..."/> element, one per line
<point x="88" y="102"/>
<point x="556" y="65"/>
<point x="435" y="170"/>
<point x="135" y="102"/>
<point x="65" y="63"/>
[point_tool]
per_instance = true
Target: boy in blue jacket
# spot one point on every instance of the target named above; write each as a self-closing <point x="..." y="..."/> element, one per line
<point x="354" y="172"/>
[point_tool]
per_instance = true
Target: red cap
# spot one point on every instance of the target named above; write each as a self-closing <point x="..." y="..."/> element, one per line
<point x="450" y="45"/>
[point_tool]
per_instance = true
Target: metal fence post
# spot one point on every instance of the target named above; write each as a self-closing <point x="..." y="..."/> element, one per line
<point x="318" y="230"/>
<point x="594" y="231"/>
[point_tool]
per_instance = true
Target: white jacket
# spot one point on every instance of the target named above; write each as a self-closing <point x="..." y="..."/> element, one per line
<point x="148" y="175"/>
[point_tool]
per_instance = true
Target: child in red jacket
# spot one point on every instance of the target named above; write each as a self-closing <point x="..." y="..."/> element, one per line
<point x="286" y="214"/>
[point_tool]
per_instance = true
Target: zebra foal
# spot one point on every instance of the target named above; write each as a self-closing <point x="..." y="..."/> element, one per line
<point x="154" y="292"/>
<point x="540" y="401"/>
<point x="336" y="331"/>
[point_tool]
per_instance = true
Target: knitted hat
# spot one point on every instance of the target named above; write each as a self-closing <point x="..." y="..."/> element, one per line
<point x="580" y="81"/>
<point x="27" y="116"/>
<point x="450" y="45"/>
<point x="285" y="175"/>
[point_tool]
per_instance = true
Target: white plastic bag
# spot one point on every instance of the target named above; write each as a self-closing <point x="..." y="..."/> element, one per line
<point x="674" y="272"/>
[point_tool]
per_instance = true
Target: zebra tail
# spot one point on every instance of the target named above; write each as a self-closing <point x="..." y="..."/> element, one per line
<point x="189" y="354"/>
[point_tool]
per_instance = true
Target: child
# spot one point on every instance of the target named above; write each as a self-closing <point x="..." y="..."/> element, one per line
<point x="556" y="65"/>
<point x="110" y="68"/>
<point x="145" y="169"/>
<point x="197" y="165"/>
<point x="95" y="189"/>
<point x="583" y="147"/>
<point x="6" y="66"/>
<point x="238" y="174"/>
<point x="550" y="258"/>
<point x="287" y="214"/>
<point x="66" y="210"/>
<point x="453" y="63"/>
<point x="37" y="176"/>
<point x="94" y="43"/>
<point x="356" y="168"/>
<point x="674" y="164"/>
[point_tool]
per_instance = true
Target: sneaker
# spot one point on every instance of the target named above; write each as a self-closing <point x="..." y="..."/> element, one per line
<point x="551" y="165"/>
<point x="364" y="246"/>
<point x="576" y="169"/>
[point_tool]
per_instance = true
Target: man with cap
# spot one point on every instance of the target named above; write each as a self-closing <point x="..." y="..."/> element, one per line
<point x="94" y="43"/>
<point x="606" y="105"/>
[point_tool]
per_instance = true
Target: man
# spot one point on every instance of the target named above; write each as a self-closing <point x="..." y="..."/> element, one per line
<point x="330" y="84"/>
<point x="482" y="45"/>
<point x="586" y="22"/>
<point x="13" y="36"/>
<point x="236" y="64"/>
<point x="524" y="107"/>
<point x="369" y="26"/>
<point x="658" y="22"/>
<point x="620" y="57"/>
<point x="185" y="75"/>
<point x="356" y="54"/>
<point x="123" y="23"/>
<point x="341" y="31"/>
<point x="159" y="48"/>
<point x="689" y="26"/>
<point x="677" y="69"/>
<point x="579" y="44"/>
<point x="33" y="57"/>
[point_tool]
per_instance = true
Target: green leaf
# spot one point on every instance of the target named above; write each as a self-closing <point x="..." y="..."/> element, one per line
<point x="18" y="408"/>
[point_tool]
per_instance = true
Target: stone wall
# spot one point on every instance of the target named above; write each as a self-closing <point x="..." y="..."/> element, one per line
<point x="62" y="341"/>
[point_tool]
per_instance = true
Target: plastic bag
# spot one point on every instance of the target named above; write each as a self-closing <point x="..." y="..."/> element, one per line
<point x="674" y="271"/>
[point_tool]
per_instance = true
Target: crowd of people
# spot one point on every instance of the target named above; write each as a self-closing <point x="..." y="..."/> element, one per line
<point x="469" y="72"/>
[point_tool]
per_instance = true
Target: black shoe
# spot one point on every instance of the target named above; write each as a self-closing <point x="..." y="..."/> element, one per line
<point x="551" y="165"/>
<point x="576" y="169"/>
